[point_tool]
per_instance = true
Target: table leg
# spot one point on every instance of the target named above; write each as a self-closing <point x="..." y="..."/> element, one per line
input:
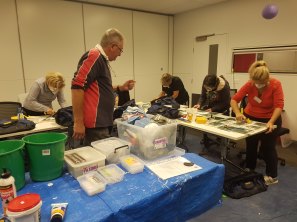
<point x="224" y="147"/>
<point x="181" y="138"/>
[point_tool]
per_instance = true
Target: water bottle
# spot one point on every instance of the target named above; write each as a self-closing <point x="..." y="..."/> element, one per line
<point x="7" y="189"/>
<point x="20" y="114"/>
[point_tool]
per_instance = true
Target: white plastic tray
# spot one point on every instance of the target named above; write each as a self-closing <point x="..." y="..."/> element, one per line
<point x="92" y="183"/>
<point x="132" y="163"/>
<point x="112" y="173"/>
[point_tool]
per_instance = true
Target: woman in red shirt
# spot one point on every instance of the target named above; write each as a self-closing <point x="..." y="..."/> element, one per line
<point x="265" y="103"/>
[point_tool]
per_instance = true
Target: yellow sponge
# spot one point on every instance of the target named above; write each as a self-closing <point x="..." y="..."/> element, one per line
<point x="14" y="118"/>
<point x="201" y="119"/>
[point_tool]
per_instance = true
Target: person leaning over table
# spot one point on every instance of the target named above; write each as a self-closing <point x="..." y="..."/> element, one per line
<point x="173" y="86"/>
<point x="43" y="92"/>
<point x="92" y="90"/>
<point x="215" y="95"/>
<point x="265" y="103"/>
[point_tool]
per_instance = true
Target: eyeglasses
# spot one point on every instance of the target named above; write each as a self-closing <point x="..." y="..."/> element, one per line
<point x="121" y="50"/>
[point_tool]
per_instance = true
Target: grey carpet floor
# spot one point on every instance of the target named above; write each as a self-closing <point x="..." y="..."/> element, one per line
<point x="278" y="203"/>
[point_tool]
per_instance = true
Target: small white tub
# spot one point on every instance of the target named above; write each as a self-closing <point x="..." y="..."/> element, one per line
<point x="25" y="208"/>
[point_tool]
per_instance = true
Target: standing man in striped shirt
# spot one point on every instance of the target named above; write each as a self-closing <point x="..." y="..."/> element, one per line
<point x="92" y="90"/>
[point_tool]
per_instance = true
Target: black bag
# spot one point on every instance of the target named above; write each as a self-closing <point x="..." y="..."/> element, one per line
<point x="165" y="100"/>
<point x="158" y="107"/>
<point x="244" y="185"/>
<point x="64" y="116"/>
<point x="9" y="126"/>
<point x="118" y="112"/>
<point x="170" y="113"/>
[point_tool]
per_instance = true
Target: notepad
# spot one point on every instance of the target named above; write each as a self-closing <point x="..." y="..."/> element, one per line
<point x="172" y="167"/>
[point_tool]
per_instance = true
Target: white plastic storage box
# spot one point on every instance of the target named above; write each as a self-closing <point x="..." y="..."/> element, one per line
<point x="92" y="183"/>
<point x="112" y="173"/>
<point x="149" y="143"/>
<point x="113" y="148"/>
<point x="83" y="160"/>
<point x="132" y="163"/>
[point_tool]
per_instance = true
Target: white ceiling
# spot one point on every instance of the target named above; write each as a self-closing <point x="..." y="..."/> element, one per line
<point x="170" y="7"/>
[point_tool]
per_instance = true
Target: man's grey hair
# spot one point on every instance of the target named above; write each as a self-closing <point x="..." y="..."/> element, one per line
<point x="111" y="36"/>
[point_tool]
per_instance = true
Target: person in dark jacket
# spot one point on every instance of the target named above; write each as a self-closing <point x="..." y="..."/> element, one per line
<point x="172" y="86"/>
<point x="215" y="95"/>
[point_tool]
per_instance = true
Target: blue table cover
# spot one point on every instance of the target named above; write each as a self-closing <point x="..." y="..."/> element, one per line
<point x="139" y="197"/>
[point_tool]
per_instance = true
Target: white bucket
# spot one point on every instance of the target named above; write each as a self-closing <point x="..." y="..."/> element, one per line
<point x="25" y="208"/>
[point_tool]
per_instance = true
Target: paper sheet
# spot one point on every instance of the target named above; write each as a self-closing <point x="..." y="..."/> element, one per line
<point x="172" y="167"/>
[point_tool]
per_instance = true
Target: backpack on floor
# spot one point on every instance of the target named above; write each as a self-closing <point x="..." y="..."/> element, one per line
<point x="244" y="185"/>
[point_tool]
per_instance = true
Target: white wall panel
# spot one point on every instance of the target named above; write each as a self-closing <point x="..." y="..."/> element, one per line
<point x="51" y="38"/>
<point x="148" y="87"/>
<point x="97" y="19"/>
<point x="11" y="76"/>
<point x="151" y="53"/>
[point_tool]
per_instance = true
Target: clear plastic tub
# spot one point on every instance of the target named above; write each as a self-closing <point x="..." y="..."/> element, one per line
<point x="149" y="143"/>
<point x="83" y="160"/>
<point x="113" y="148"/>
<point x="132" y="163"/>
<point x="92" y="183"/>
<point x="112" y="173"/>
<point x="174" y="153"/>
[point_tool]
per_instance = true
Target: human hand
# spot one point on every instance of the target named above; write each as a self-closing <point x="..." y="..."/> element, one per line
<point x="208" y="110"/>
<point x="49" y="112"/>
<point x="128" y="85"/>
<point x="270" y="127"/>
<point x="197" y="106"/>
<point x="78" y="131"/>
<point x="240" y="117"/>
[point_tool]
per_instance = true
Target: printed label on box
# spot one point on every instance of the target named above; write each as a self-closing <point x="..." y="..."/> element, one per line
<point x="87" y="169"/>
<point x="160" y="143"/>
<point x="46" y="152"/>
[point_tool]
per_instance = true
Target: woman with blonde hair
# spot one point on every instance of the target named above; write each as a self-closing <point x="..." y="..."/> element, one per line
<point x="43" y="92"/>
<point x="265" y="103"/>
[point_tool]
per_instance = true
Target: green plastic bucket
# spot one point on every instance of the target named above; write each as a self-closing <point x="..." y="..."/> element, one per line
<point x="46" y="155"/>
<point x="12" y="158"/>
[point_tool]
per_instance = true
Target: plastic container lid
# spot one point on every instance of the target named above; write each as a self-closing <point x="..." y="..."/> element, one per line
<point x="83" y="156"/>
<point x="92" y="183"/>
<point x="24" y="202"/>
<point x="132" y="163"/>
<point x="112" y="148"/>
<point x="112" y="173"/>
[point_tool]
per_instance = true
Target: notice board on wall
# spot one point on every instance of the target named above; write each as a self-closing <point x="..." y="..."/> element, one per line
<point x="242" y="62"/>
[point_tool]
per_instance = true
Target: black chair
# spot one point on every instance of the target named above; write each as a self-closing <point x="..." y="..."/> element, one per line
<point x="124" y="96"/>
<point x="282" y="131"/>
<point x="195" y="99"/>
<point x="9" y="109"/>
<point x="233" y="92"/>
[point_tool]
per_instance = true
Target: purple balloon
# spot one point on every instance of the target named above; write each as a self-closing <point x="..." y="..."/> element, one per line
<point x="270" y="11"/>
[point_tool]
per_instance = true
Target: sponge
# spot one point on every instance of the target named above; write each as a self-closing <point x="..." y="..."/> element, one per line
<point x="201" y="119"/>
